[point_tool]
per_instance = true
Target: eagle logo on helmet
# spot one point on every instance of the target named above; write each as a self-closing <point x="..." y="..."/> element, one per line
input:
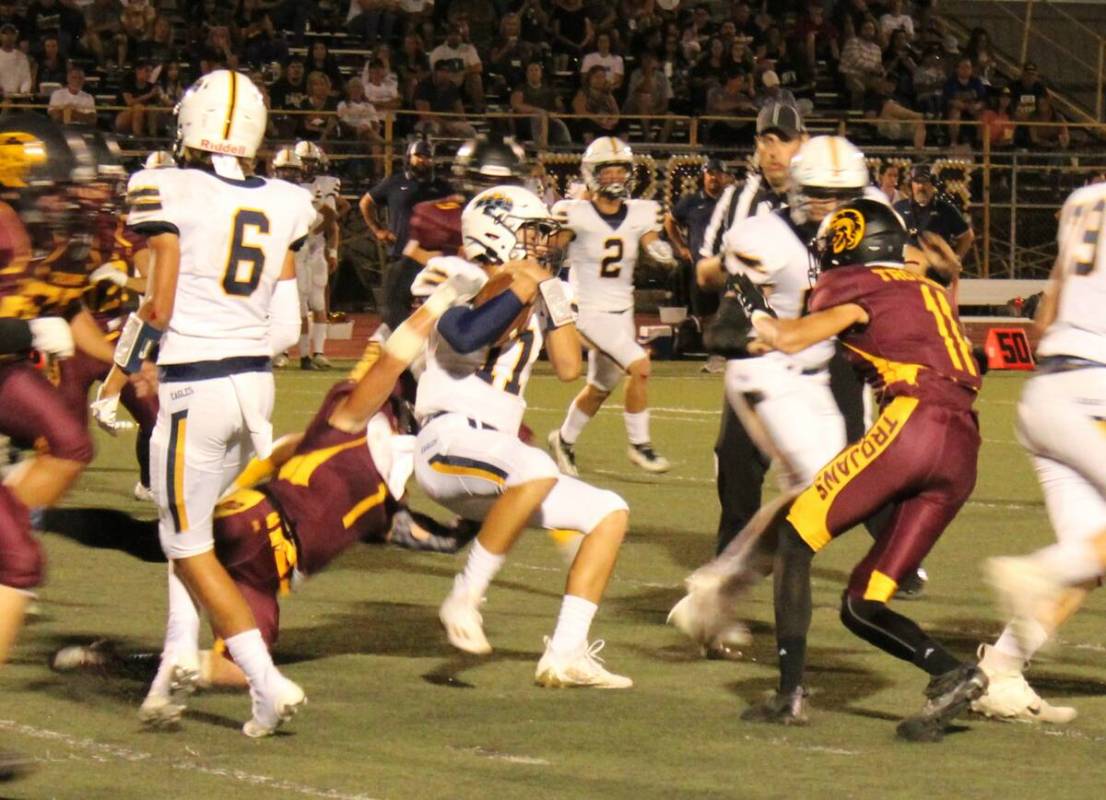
<point x="495" y="205"/>
<point x="846" y="230"/>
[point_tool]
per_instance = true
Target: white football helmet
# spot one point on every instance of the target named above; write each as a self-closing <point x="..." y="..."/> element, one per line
<point x="506" y="223"/>
<point x="312" y="157"/>
<point x="286" y="164"/>
<point x="222" y="113"/>
<point x="603" y="152"/>
<point x="160" y="159"/>
<point x="826" y="167"/>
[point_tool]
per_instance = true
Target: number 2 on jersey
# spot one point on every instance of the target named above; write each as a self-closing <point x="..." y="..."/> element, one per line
<point x="246" y="261"/>
<point x="611" y="265"/>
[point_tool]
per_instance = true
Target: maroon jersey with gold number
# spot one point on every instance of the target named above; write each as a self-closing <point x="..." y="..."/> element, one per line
<point x="330" y="491"/>
<point x="912" y="345"/>
<point x="436" y="225"/>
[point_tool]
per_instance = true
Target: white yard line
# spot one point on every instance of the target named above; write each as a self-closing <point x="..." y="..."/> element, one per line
<point x="101" y="751"/>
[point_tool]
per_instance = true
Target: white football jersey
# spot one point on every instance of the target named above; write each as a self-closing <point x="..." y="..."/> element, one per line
<point x="604" y="250"/>
<point x="769" y="251"/>
<point x="1079" y="329"/>
<point x="234" y="235"/>
<point x="486" y="385"/>
<point x="324" y="194"/>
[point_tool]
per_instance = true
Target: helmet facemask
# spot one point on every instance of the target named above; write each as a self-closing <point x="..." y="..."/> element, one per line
<point x="538" y="240"/>
<point x="611" y="184"/>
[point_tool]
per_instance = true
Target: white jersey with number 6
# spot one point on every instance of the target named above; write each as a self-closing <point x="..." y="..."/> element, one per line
<point x="604" y="250"/>
<point x="1079" y="329"/>
<point x="234" y="235"/>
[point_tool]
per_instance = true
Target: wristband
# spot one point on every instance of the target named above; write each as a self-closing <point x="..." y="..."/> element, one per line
<point x="136" y="341"/>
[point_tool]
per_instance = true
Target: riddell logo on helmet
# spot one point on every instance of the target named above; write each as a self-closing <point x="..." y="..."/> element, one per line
<point x="222" y="147"/>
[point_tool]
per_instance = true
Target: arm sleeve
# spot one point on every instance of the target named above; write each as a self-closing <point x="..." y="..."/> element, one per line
<point x="468" y="329"/>
<point x="284" y="316"/>
<point x="838" y="287"/>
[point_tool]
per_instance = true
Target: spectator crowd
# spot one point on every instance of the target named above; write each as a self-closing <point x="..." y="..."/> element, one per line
<point x="614" y="67"/>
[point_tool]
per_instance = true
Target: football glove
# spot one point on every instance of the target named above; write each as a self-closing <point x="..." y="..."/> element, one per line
<point x="51" y="335"/>
<point x="105" y="411"/>
<point x="109" y="272"/>
<point x="751" y="298"/>
<point x="661" y="252"/>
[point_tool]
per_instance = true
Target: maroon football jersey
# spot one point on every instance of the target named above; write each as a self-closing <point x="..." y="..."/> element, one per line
<point x="436" y="225"/>
<point x="330" y="491"/>
<point x="912" y="344"/>
<point x="114" y="241"/>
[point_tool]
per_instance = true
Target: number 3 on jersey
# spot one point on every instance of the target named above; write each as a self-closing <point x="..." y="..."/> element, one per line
<point x="246" y="260"/>
<point x="611" y="265"/>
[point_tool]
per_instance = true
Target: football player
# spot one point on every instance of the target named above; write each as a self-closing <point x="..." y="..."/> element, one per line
<point x="221" y="302"/>
<point x="1060" y="422"/>
<point x="468" y="454"/>
<point x="317" y="260"/>
<point x="122" y="261"/>
<point x="609" y="232"/>
<point x="919" y="456"/>
<point x="318" y="493"/>
<point x="40" y="167"/>
<point x="783" y="401"/>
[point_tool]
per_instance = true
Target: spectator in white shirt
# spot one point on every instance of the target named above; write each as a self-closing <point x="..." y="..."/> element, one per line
<point x="357" y="114"/>
<point x="603" y="57"/>
<point x="15" y="69"/>
<point x="381" y="87"/>
<point x="463" y="62"/>
<point x="71" y="104"/>
<point x="895" y="20"/>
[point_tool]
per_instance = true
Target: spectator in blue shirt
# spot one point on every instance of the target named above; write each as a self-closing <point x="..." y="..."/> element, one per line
<point x="965" y="99"/>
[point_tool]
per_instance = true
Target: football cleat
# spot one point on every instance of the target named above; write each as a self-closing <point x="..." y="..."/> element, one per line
<point x="913" y="586"/>
<point x="167" y="699"/>
<point x="779" y="709"/>
<point x="1009" y="697"/>
<point x="647" y="458"/>
<point x="321" y="362"/>
<point x="704" y="617"/>
<point x="461" y="619"/>
<point x="947" y="697"/>
<point x="307" y="364"/>
<point x="96" y="656"/>
<point x="564" y="453"/>
<point x="273" y="706"/>
<point x="582" y="668"/>
<point x="280" y="360"/>
<point x="1024" y="589"/>
<point x="143" y="493"/>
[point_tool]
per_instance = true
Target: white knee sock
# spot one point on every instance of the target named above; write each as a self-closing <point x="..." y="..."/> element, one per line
<point x="479" y="571"/>
<point x="1070" y="562"/>
<point x="574" y="424"/>
<point x="250" y="653"/>
<point x="573" y="624"/>
<point x="318" y="337"/>
<point x="637" y="426"/>
<point x="182" y="630"/>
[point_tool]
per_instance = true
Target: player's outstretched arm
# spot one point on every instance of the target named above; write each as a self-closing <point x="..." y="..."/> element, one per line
<point x="89" y="339"/>
<point x="158" y="307"/>
<point x="793" y="335"/>
<point x="563" y="347"/>
<point x="403" y="346"/>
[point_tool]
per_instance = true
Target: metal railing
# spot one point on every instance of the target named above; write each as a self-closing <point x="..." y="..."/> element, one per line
<point x="1011" y="195"/>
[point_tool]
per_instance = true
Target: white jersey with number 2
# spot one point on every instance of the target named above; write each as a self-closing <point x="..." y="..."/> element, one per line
<point x="604" y="250"/>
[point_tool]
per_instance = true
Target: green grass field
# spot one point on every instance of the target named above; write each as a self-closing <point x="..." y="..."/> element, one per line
<point x="394" y="713"/>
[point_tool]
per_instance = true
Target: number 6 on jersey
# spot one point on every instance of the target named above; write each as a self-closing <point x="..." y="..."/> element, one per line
<point x="246" y="260"/>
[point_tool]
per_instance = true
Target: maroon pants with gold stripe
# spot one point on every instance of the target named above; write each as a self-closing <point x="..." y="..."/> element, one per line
<point x="920" y="457"/>
<point x="250" y="542"/>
